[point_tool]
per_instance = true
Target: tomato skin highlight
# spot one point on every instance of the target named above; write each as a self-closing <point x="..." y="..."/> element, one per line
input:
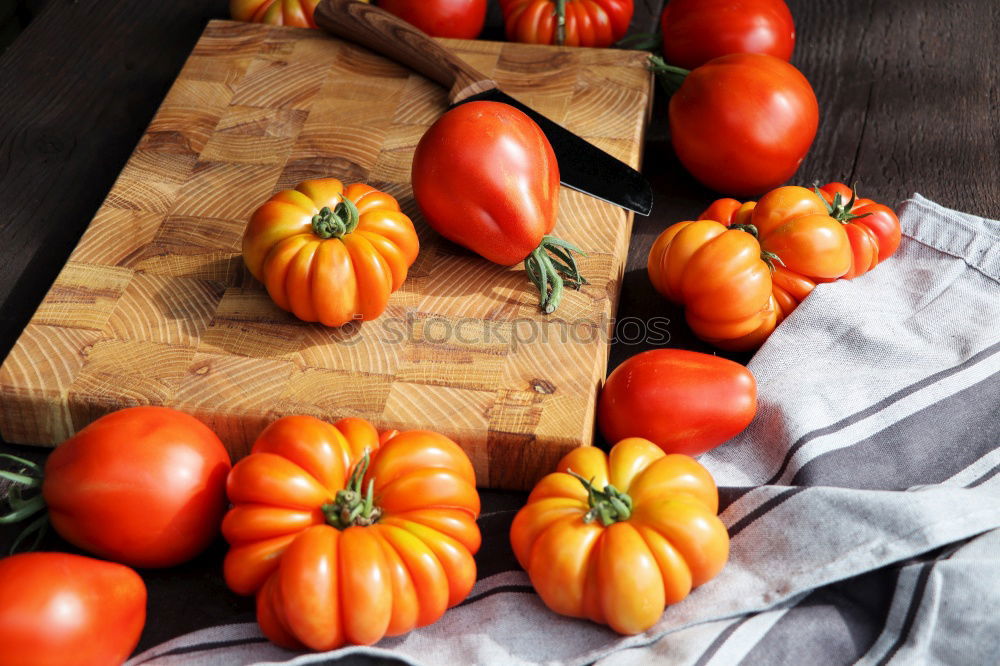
<point x="741" y="124"/>
<point x="319" y="584"/>
<point x="457" y="19"/>
<point x="696" y="31"/>
<point x="683" y="401"/>
<point x="144" y="486"/>
<point x="58" y="609"/>
<point x="625" y="572"/>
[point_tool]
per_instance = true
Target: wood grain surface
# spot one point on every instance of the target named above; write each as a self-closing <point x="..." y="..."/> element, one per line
<point x="154" y="306"/>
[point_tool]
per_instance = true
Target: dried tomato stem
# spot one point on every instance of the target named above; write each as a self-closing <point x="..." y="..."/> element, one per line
<point x="336" y="223"/>
<point x="351" y="507"/>
<point x="609" y="505"/>
<point x="551" y="266"/>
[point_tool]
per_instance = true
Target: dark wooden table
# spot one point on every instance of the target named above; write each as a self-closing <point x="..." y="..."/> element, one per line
<point x="909" y="93"/>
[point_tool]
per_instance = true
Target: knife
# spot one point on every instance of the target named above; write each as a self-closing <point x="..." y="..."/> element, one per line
<point x="582" y="166"/>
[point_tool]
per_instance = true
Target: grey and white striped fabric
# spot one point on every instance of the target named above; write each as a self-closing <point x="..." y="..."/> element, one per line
<point x="863" y="502"/>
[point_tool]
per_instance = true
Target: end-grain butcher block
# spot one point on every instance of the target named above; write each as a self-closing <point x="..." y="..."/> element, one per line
<point x="156" y="307"/>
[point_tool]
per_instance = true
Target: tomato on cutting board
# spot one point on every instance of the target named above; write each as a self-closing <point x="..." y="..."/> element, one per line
<point x="345" y="536"/>
<point x="58" y="609"/>
<point x="486" y="177"/>
<point x="330" y="253"/>
<point x="616" y="538"/>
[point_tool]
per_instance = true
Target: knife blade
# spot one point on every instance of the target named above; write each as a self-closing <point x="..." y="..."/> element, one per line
<point x="582" y="165"/>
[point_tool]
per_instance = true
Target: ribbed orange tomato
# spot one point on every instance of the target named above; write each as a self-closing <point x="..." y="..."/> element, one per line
<point x="616" y="538"/>
<point x="297" y="13"/>
<point x="597" y="23"/>
<point x="721" y="278"/>
<point x="345" y="539"/>
<point x="328" y="253"/>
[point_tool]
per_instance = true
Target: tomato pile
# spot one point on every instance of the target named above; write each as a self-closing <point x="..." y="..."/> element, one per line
<point x="344" y="534"/>
<point x="741" y="268"/>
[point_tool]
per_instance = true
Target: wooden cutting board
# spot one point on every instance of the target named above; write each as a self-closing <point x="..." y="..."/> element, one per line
<point x="155" y="306"/>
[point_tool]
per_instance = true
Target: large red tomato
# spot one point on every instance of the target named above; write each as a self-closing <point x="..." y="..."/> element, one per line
<point x="58" y="609"/>
<point x="696" y="31"/>
<point x="145" y="486"/>
<point x="683" y="401"/>
<point x="460" y="19"/>
<point x="486" y="178"/>
<point x="743" y="123"/>
<point x="596" y="23"/>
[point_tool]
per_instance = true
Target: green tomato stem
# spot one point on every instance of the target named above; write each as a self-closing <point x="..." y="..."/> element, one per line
<point x="336" y="223"/>
<point x="669" y="76"/>
<point x="28" y="478"/>
<point x="609" y="505"/>
<point x="551" y="267"/>
<point x="350" y="507"/>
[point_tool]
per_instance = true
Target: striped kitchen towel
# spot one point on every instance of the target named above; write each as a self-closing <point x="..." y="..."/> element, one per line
<point x="863" y="502"/>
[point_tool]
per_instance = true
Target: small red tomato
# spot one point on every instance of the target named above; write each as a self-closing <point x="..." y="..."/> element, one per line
<point x="683" y="401"/>
<point x="695" y="31"/>
<point x="145" y="486"/>
<point x="58" y="609"/>
<point x="459" y="19"/>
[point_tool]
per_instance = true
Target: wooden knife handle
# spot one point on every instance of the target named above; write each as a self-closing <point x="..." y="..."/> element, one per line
<point x="394" y="38"/>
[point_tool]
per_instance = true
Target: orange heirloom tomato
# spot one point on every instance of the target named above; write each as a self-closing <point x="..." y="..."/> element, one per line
<point x="346" y="536"/>
<point x="719" y="276"/>
<point x="616" y="538"/>
<point x="328" y="253"/>
<point x="298" y="13"/>
<point x="793" y="223"/>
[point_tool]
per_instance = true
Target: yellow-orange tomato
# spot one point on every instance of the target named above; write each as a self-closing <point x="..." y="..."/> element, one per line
<point x="615" y="538"/>
<point x="328" y="253"/>
<point x="345" y="538"/>
<point x="719" y="277"/>
<point x="794" y="223"/>
<point x="298" y="13"/>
